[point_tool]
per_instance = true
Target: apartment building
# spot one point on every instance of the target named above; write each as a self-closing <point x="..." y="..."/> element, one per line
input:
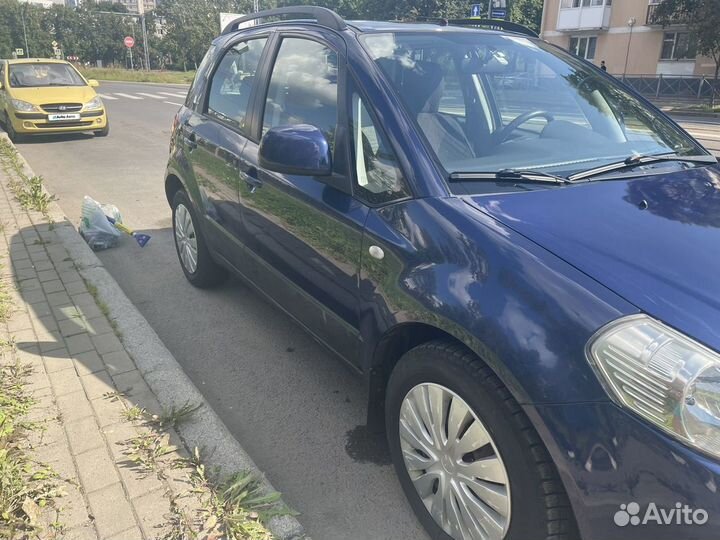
<point x="138" y="6"/>
<point x="622" y="33"/>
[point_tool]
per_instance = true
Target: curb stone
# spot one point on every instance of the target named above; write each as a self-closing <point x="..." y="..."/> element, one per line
<point x="161" y="371"/>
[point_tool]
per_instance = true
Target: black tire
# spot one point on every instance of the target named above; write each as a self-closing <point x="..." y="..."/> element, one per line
<point x="11" y="133"/>
<point x="208" y="273"/>
<point x="540" y="509"/>
<point x="104" y="132"/>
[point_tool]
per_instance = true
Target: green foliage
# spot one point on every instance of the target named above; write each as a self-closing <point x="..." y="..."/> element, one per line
<point x="116" y="74"/>
<point x="703" y="20"/>
<point x="28" y="190"/>
<point x="527" y="12"/>
<point x="188" y="27"/>
<point x="25" y="486"/>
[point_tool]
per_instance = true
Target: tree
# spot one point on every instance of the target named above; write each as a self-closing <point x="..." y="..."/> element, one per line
<point x="527" y="12"/>
<point x="702" y="18"/>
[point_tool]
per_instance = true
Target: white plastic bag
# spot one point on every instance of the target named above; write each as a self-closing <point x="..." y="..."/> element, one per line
<point x="98" y="232"/>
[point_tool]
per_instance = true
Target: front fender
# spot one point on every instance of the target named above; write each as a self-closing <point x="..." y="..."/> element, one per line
<point x="524" y="311"/>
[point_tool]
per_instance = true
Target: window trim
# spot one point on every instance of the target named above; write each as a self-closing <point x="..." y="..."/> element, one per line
<point x="202" y="105"/>
<point x="262" y="92"/>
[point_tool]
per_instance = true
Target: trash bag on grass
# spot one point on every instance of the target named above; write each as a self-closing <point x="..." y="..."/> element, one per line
<point x="95" y="228"/>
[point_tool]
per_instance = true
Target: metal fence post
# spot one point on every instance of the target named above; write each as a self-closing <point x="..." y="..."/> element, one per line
<point x="657" y="88"/>
<point x="700" y="87"/>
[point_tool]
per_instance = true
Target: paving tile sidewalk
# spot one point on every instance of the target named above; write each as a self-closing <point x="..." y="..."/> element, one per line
<point x="83" y="379"/>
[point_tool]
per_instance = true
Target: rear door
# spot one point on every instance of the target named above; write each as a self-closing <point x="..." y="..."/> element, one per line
<point x="303" y="235"/>
<point x="215" y="134"/>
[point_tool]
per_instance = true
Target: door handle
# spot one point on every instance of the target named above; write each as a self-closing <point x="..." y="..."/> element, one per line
<point x="190" y="141"/>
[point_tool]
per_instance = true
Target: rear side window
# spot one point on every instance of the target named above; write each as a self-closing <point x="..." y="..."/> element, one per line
<point x="232" y="82"/>
<point x="303" y="87"/>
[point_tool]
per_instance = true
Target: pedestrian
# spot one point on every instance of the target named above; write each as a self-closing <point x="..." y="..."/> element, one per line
<point x="602" y="65"/>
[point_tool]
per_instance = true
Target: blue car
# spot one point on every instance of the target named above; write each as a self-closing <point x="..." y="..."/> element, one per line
<point x="526" y="276"/>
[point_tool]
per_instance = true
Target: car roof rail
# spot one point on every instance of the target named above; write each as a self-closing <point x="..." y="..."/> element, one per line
<point x="323" y="16"/>
<point x="492" y="24"/>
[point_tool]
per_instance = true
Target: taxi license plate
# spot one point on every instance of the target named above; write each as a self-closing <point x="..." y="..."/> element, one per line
<point x="63" y="117"/>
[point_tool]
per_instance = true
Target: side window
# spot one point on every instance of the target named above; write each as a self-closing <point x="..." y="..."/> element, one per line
<point x="194" y="91"/>
<point x="303" y="87"/>
<point x="378" y="178"/>
<point x="232" y="82"/>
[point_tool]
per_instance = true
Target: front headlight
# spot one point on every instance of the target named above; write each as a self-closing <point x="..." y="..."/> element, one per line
<point x="662" y="375"/>
<point x="93" y="104"/>
<point x="23" y="106"/>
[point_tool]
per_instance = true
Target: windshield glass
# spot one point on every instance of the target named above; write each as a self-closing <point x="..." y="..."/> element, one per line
<point x="39" y="74"/>
<point x="487" y="102"/>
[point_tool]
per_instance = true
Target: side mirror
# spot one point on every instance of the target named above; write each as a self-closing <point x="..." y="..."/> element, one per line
<point x="93" y="83"/>
<point x="300" y="149"/>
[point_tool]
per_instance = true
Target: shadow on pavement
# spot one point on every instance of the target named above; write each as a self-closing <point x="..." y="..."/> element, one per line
<point x="293" y="406"/>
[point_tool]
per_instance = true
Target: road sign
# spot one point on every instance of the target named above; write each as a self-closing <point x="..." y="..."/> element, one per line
<point x="54" y="43"/>
<point x="19" y="52"/>
<point x="499" y="14"/>
<point x="129" y="41"/>
<point x="476" y="10"/>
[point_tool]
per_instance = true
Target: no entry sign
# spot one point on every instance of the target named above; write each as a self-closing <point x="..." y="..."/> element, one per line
<point x="129" y="41"/>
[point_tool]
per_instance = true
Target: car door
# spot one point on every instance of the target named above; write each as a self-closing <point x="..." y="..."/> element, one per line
<point x="215" y="134"/>
<point x="304" y="236"/>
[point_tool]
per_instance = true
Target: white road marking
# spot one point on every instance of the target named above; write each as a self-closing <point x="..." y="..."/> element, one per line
<point x="105" y="96"/>
<point x="150" y="95"/>
<point x="173" y="103"/>
<point x="126" y="95"/>
<point x="173" y="94"/>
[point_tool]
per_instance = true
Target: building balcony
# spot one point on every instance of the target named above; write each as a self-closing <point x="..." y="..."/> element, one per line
<point x="586" y="16"/>
<point x="651" y="20"/>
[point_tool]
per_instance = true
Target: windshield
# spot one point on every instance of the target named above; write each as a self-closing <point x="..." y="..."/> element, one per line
<point x="488" y="102"/>
<point x="39" y="74"/>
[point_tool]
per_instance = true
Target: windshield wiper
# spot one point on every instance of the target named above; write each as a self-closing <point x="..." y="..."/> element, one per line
<point x="639" y="159"/>
<point x="510" y="175"/>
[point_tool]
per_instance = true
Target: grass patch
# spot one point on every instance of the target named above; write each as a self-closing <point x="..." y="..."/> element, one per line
<point x="116" y="74"/>
<point x="28" y="190"/>
<point x="26" y="487"/>
<point x="5" y="302"/>
<point x="234" y="507"/>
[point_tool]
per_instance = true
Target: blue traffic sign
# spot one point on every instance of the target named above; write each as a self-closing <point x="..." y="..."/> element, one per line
<point x="476" y="10"/>
<point x="499" y="13"/>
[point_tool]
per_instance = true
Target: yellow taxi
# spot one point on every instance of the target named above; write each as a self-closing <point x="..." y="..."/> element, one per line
<point x="39" y="95"/>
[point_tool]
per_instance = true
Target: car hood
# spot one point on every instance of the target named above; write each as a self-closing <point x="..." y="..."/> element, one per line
<point x="53" y="94"/>
<point x="655" y="241"/>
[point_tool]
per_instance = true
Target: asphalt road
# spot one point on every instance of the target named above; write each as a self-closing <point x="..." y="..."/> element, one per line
<point x="290" y="403"/>
<point x="294" y="407"/>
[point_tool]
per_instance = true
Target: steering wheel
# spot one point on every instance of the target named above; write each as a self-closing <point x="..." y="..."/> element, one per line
<point x="502" y="135"/>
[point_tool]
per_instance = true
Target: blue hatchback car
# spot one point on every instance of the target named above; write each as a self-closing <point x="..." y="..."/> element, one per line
<point x="520" y="255"/>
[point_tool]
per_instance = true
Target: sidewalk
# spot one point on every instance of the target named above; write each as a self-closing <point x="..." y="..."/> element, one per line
<point x="84" y="384"/>
<point x="109" y="404"/>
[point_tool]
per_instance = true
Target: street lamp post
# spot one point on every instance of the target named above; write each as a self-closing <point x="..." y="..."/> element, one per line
<point x="145" y="42"/>
<point x="631" y="23"/>
<point x="22" y="17"/>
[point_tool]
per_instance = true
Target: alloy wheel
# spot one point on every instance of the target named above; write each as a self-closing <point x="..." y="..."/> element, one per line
<point x="454" y="464"/>
<point x="186" y="238"/>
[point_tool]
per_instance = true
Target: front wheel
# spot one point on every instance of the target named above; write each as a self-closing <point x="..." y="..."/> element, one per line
<point x="197" y="264"/>
<point x="468" y="459"/>
<point x="12" y="134"/>
<point x="104" y="132"/>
